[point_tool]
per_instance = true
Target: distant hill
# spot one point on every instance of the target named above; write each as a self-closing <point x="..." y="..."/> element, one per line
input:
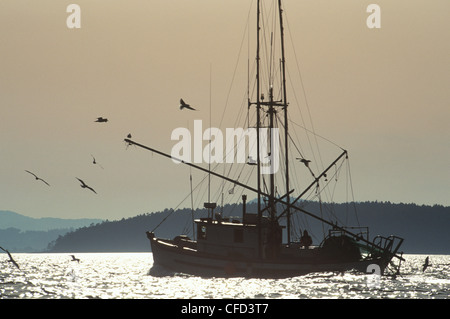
<point x="29" y="241"/>
<point x="10" y="219"/>
<point x="126" y="235"/>
<point x="19" y="233"/>
<point x="424" y="228"/>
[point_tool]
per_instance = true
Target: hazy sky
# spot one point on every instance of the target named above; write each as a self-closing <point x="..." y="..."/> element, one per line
<point x="382" y="94"/>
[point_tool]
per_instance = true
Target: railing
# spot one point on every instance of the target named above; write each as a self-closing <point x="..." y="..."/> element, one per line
<point x="389" y="244"/>
<point x="363" y="234"/>
<point x="380" y="245"/>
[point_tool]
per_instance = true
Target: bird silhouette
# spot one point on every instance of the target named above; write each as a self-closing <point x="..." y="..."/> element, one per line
<point x="426" y="264"/>
<point x="304" y="161"/>
<point x="95" y="162"/>
<point x="185" y="106"/>
<point x="101" y="120"/>
<point x="74" y="258"/>
<point x="10" y="257"/>
<point x="251" y="161"/>
<point x="83" y="185"/>
<point x="37" y="178"/>
<point x="128" y="143"/>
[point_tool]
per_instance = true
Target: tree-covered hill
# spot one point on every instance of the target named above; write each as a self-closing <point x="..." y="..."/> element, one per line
<point x="20" y="233"/>
<point x="424" y="228"/>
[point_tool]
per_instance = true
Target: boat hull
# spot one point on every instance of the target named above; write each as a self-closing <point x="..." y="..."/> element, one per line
<point x="178" y="259"/>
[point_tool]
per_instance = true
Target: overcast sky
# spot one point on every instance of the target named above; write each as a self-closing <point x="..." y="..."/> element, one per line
<point x="382" y="94"/>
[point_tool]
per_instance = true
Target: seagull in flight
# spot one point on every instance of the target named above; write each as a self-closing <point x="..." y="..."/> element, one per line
<point x="10" y="257"/>
<point x="74" y="259"/>
<point x="128" y="143"/>
<point x="251" y="161"/>
<point x="37" y="178"/>
<point x="304" y="161"/>
<point x="101" y="119"/>
<point x="426" y="264"/>
<point x="94" y="161"/>
<point x="184" y="105"/>
<point x="83" y="185"/>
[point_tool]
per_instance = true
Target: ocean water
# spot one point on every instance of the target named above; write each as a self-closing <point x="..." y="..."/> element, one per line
<point x="127" y="276"/>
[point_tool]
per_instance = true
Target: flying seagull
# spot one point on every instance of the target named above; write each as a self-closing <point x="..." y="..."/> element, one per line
<point x="74" y="259"/>
<point x="426" y="264"/>
<point x="37" y="178"/>
<point x="304" y="161"/>
<point x="10" y="257"/>
<point x="251" y="161"/>
<point x="101" y="119"/>
<point x="129" y="136"/>
<point x="184" y="105"/>
<point x="83" y="185"/>
<point x="94" y="161"/>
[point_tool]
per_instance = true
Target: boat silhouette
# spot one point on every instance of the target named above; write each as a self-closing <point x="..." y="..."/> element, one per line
<point x="253" y="245"/>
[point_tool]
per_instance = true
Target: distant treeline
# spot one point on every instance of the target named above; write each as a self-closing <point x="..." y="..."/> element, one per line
<point x="29" y="241"/>
<point x="424" y="228"/>
<point x="19" y="233"/>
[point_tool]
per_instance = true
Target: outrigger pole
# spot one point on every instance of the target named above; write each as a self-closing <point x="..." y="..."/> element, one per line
<point x="372" y="244"/>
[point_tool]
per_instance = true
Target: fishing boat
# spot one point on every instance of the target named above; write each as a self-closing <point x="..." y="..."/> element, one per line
<point x="261" y="243"/>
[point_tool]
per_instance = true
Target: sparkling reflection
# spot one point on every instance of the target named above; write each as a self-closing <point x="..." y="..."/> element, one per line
<point x="126" y="276"/>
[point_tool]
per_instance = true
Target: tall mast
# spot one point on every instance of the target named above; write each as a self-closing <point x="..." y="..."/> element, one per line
<point x="271" y="112"/>
<point x="258" y="109"/>
<point x="286" y="138"/>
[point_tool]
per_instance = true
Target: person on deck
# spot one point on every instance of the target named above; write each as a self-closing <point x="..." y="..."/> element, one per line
<point x="306" y="240"/>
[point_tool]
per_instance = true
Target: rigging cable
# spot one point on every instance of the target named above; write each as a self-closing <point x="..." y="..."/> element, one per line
<point x="351" y="189"/>
<point x="236" y="66"/>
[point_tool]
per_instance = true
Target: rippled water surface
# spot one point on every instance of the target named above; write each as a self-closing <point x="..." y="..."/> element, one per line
<point x="126" y="276"/>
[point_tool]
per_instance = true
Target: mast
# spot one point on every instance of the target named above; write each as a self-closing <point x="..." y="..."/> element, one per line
<point x="271" y="112"/>
<point x="258" y="109"/>
<point x="286" y="137"/>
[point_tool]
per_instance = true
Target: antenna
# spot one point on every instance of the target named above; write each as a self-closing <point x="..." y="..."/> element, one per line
<point x="209" y="161"/>
<point x="192" y="199"/>
<point x="192" y="208"/>
<point x="210" y="206"/>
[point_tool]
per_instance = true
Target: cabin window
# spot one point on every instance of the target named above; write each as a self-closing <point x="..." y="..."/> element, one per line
<point x="238" y="235"/>
<point x="202" y="232"/>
